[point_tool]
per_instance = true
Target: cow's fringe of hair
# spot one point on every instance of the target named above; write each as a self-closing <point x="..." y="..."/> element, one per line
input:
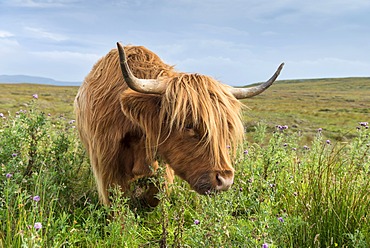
<point x="203" y="104"/>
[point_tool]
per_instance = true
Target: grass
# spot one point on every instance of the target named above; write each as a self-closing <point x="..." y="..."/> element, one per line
<point x="297" y="187"/>
<point x="332" y="104"/>
<point x="56" y="100"/>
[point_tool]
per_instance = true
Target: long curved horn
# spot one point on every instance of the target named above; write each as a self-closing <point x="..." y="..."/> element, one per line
<point x="147" y="86"/>
<point x="241" y="93"/>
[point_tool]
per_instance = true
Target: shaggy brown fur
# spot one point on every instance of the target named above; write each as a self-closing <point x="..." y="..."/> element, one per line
<point x="189" y="126"/>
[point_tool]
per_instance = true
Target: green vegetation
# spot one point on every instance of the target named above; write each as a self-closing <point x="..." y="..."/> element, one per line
<point x="56" y="100"/>
<point x="305" y="105"/>
<point x="294" y="187"/>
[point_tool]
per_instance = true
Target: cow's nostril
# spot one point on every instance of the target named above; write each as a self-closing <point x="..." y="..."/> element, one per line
<point x="220" y="180"/>
<point x="224" y="182"/>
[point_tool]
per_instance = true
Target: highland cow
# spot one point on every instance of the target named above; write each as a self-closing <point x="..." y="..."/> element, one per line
<point x="133" y="108"/>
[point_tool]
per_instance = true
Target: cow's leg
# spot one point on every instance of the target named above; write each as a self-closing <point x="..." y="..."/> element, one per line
<point x="112" y="163"/>
<point x="100" y="179"/>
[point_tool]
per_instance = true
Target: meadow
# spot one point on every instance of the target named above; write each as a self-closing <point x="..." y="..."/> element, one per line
<point x="302" y="177"/>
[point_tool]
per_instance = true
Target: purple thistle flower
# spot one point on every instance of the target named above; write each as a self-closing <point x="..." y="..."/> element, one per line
<point x="246" y="152"/>
<point x="14" y="155"/>
<point x="8" y="175"/>
<point x="1" y="115"/>
<point x="37" y="226"/>
<point x="228" y="146"/>
<point x="281" y="219"/>
<point x="328" y="142"/>
<point x="196" y="222"/>
<point x="265" y="245"/>
<point x="71" y="121"/>
<point x="36" y="198"/>
<point x="281" y="128"/>
<point x="363" y="123"/>
<point x="35" y="96"/>
<point x="306" y="147"/>
<point x="319" y="130"/>
<point x="285" y="145"/>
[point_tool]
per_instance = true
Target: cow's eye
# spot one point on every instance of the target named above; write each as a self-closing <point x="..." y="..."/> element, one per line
<point x="192" y="132"/>
<point x="189" y="126"/>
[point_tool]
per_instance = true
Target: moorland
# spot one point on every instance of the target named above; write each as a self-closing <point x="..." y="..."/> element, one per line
<point x="304" y="186"/>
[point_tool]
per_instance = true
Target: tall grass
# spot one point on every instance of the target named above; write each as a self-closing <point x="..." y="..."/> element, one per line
<point x="285" y="194"/>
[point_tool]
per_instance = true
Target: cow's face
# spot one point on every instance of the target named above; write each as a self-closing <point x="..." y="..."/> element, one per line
<point x="193" y="161"/>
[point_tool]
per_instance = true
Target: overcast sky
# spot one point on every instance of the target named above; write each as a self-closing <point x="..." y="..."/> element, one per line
<point x="236" y="41"/>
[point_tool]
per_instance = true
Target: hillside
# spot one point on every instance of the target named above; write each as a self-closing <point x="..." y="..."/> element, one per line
<point x="34" y="80"/>
<point x="336" y="105"/>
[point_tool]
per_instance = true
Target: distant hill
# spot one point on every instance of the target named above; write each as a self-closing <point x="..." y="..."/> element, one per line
<point x="13" y="79"/>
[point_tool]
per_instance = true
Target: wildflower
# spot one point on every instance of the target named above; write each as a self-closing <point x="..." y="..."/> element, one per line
<point x="14" y="155"/>
<point x="1" y="115"/>
<point x="319" y="130"/>
<point x="8" y="175"/>
<point x="265" y="245"/>
<point x="35" y="96"/>
<point x="246" y="152"/>
<point x="295" y="193"/>
<point x="196" y="222"/>
<point x="306" y="147"/>
<point x="272" y="185"/>
<point x="36" y="198"/>
<point x="281" y="219"/>
<point x="282" y="128"/>
<point x="328" y="142"/>
<point x="49" y="114"/>
<point x="285" y="145"/>
<point x="228" y="147"/>
<point x="37" y="226"/>
<point x="363" y="123"/>
<point x="294" y="149"/>
<point x="71" y="121"/>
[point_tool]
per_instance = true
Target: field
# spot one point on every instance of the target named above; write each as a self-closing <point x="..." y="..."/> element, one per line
<point x="304" y="186"/>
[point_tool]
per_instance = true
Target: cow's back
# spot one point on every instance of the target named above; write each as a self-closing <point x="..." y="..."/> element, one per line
<point x="97" y="105"/>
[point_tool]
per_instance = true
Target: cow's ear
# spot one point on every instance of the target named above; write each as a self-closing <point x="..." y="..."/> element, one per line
<point x="141" y="109"/>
